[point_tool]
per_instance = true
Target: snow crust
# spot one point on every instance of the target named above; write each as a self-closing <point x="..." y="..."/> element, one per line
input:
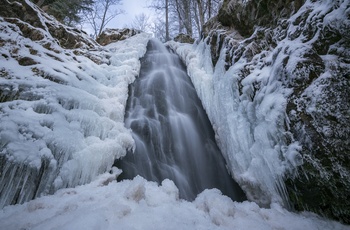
<point x="139" y="204"/>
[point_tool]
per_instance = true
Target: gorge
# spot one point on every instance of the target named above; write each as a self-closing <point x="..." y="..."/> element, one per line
<point x="272" y="76"/>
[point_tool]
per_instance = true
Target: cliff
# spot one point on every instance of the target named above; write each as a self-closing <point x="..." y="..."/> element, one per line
<point x="306" y="44"/>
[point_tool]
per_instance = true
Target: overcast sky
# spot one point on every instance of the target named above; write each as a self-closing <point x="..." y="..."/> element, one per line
<point x="131" y="8"/>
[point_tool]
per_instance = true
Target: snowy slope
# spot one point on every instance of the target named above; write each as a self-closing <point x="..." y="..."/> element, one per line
<point x="61" y="114"/>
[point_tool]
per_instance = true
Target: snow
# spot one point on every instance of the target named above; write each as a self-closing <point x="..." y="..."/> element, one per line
<point x="73" y="108"/>
<point x="139" y="204"/>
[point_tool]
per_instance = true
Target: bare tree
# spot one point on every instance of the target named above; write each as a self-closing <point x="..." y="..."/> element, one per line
<point x="162" y="6"/>
<point x="101" y="14"/>
<point x="158" y="28"/>
<point x="187" y="16"/>
<point x="141" y="22"/>
<point x="167" y="36"/>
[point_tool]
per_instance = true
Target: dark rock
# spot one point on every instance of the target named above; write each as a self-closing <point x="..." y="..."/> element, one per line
<point x="184" y="38"/>
<point x="244" y="16"/>
<point x="25" y="61"/>
<point x="113" y="35"/>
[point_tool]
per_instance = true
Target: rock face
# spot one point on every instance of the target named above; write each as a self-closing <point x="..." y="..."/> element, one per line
<point x="31" y="24"/>
<point x="310" y="43"/>
<point x="244" y="15"/>
<point x="21" y="22"/>
<point x="113" y="35"/>
<point x="184" y="38"/>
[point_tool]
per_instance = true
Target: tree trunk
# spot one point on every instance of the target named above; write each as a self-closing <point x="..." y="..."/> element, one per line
<point x="200" y="15"/>
<point x="103" y="21"/>
<point x="179" y="16"/>
<point x="209" y="9"/>
<point x="188" y="18"/>
<point x="167" y="37"/>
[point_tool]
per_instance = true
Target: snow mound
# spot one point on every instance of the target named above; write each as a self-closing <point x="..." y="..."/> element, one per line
<point x="139" y="204"/>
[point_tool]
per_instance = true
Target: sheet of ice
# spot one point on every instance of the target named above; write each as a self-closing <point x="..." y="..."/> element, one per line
<point x="139" y="204"/>
<point x="61" y="114"/>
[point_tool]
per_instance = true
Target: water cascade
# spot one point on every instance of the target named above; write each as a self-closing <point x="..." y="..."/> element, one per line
<point x="174" y="138"/>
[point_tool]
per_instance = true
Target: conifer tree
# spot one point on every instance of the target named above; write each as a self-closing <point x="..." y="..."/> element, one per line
<point x="66" y="11"/>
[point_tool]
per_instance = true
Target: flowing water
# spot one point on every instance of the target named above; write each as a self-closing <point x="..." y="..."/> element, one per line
<point x="174" y="138"/>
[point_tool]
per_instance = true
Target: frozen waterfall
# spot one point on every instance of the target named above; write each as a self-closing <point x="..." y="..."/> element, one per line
<point x="174" y="138"/>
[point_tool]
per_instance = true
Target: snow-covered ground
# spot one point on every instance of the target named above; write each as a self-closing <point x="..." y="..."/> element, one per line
<point x="139" y="204"/>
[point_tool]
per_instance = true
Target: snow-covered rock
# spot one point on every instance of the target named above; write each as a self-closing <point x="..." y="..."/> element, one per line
<point x="62" y="109"/>
<point x="109" y="36"/>
<point x="183" y="38"/>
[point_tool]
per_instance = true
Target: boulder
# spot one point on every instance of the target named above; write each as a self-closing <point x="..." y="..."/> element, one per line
<point x="245" y="15"/>
<point x="184" y="38"/>
<point x="113" y="35"/>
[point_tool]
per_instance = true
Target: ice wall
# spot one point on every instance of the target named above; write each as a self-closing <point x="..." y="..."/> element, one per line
<point x="260" y="97"/>
<point x="249" y="124"/>
<point x="61" y="110"/>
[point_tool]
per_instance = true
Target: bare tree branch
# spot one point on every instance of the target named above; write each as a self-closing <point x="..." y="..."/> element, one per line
<point x="102" y="14"/>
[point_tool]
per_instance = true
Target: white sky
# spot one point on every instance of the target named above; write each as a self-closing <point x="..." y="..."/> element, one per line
<point x="131" y="8"/>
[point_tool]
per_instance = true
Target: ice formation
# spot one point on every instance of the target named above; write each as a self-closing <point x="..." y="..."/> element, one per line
<point x="61" y="119"/>
<point x="249" y="113"/>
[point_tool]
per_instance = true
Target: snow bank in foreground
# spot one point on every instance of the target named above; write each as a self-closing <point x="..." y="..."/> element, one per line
<point x="61" y="114"/>
<point x="138" y="204"/>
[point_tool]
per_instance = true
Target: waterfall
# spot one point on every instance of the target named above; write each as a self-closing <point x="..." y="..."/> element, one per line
<point x="174" y="138"/>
